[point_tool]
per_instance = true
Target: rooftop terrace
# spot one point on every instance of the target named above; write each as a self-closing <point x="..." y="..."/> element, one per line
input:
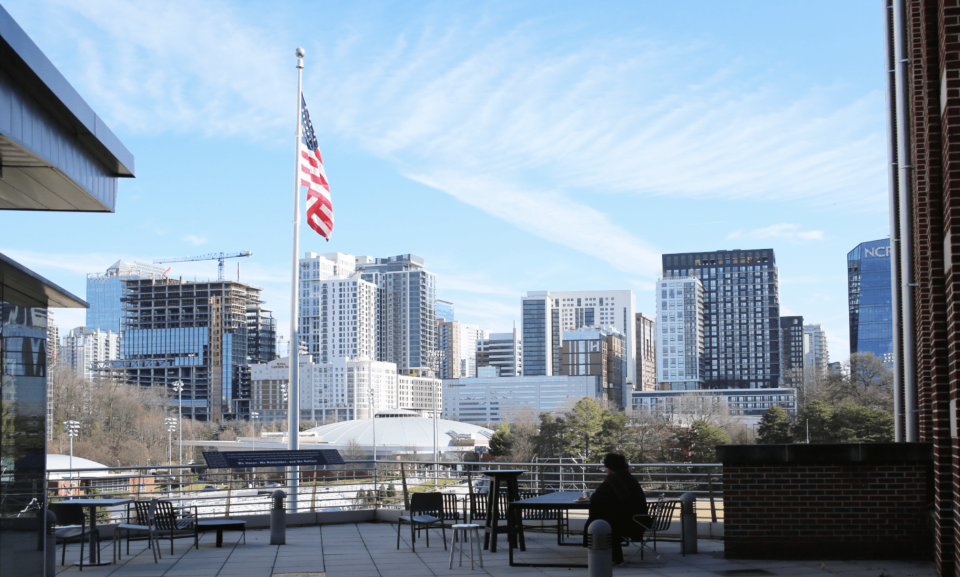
<point x="369" y="550"/>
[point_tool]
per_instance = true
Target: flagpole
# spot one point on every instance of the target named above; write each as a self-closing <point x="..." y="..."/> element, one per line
<point x="293" y="409"/>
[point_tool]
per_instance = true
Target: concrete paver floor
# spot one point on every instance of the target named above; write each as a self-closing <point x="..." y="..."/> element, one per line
<point x="369" y="550"/>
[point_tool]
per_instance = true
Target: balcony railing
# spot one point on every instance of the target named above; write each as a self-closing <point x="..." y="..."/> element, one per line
<point x="358" y="484"/>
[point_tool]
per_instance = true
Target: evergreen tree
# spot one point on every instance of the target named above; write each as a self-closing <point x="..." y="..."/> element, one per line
<point x="815" y="418"/>
<point x="774" y="427"/>
<point x="586" y="423"/>
<point x="500" y="441"/>
<point x="856" y="424"/>
<point x="700" y="441"/>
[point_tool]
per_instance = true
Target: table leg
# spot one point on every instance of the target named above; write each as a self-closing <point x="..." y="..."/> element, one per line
<point x="94" y="549"/>
<point x="219" y="537"/>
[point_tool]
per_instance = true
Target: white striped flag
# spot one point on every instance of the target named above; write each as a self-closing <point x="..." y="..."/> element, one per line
<point x="319" y="205"/>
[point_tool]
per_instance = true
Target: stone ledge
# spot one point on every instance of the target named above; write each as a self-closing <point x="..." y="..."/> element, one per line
<point x="860" y="453"/>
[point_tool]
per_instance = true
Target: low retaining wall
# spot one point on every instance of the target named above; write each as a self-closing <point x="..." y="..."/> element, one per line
<point x="831" y="501"/>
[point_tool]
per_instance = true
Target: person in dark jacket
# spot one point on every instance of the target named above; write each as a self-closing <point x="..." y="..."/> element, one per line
<point x="616" y="501"/>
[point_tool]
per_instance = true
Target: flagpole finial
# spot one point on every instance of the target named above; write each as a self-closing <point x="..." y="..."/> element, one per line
<point x="300" y="54"/>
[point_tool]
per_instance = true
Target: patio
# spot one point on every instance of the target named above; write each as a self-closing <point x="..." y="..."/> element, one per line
<point x="369" y="550"/>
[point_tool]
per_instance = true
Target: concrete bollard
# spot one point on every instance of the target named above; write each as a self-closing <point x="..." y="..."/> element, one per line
<point x="688" y="522"/>
<point x="50" y="549"/>
<point x="599" y="549"/>
<point x="278" y="519"/>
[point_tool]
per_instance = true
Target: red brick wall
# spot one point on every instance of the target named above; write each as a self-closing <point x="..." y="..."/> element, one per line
<point x="827" y="501"/>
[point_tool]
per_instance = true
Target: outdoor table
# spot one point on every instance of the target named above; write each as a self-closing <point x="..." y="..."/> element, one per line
<point x="221" y="525"/>
<point x="92" y="505"/>
<point x="563" y="501"/>
<point x="509" y="478"/>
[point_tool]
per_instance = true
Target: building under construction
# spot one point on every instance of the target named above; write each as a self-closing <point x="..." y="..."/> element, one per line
<point x="194" y="332"/>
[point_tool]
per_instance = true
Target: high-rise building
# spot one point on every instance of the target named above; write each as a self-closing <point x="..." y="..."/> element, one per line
<point x="680" y="342"/>
<point x="546" y="314"/>
<point x="448" y="348"/>
<point x="445" y="311"/>
<point x="406" y="309"/>
<point x="85" y="349"/>
<point x="646" y="331"/>
<point x="338" y="309"/>
<point x="741" y="314"/>
<point x="791" y="351"/>
<point x="503" y="351"/>
<point x="261" y="335"/>
<point x="870" y="299"/>
<point x="596" y="352"/>
<point x="104" y="291"/>
<point x="343" y="389"/>
<point x="53" y="340"/>
<point x="816" y="357"/>
<point x="470" y="335"/>
<point x="194" y="332"/>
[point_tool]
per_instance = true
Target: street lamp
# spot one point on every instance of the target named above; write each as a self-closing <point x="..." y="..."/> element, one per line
<point x="171" y="424"/>
<point x="254" y="415"/>
<point x="178" y="387"/>
<point x="373" y="419"/>
<point x="73" y="430"/>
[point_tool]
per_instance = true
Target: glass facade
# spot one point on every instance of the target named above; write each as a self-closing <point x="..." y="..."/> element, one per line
<point x="534" y="337"/>
<point x="23" y="382"/>
<point x="105" y="290"/>
<point x="870" y="299"/>
<point x="445" y="311"/>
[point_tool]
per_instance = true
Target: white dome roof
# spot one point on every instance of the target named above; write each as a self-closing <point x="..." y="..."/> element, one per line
<point x="401" y="432"/>
<point x="55" y="462"/>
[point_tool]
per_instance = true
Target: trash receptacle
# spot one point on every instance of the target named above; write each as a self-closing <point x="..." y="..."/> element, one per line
<point x="688" y="522"/>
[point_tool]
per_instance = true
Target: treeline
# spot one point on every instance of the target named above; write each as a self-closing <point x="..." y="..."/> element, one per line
<point x="123" y="425"/>
<point x="587" y="431"/>
<point x="847" y="406"/>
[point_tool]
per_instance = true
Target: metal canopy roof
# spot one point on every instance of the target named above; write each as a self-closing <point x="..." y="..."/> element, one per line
<point x="23" y="287"/>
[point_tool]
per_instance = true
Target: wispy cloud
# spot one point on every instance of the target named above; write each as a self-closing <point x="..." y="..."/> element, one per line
<point x="786" y="231"/>
<point x="194" y="239"/>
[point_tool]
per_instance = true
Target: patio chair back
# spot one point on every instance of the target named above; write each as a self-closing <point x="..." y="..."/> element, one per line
<point x="427" y="504"/>
<point x="478" y="506"/>
<point x="68" y="514"/>
<point x="450" y="510"/>
<point x="662" y="514"/>
<point x="144" y="513"/>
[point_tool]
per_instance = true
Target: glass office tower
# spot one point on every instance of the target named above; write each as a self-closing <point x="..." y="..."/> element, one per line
<point x="104" y="291"/>
<point x="871" y="305"/>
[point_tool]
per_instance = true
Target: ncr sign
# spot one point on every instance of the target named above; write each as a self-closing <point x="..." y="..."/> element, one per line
<point x="879" y="252"/>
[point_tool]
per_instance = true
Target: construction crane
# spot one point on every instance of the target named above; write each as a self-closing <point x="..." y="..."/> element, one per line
<point x="212" y="256"/>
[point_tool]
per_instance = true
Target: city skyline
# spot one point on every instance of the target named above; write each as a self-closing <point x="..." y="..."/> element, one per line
<point x="552" y="224"/>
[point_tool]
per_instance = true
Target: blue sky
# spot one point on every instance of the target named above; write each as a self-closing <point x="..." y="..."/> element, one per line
<point x="514" y="146"/>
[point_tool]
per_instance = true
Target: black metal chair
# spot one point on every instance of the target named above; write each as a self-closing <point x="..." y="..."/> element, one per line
<point x="538" y="517"/>
<point x="426" y="509"/>
<point x="73" y="527"/>
<point x="451" y="508"/>
<point x="176" y="522"/>
<point x="146" y="523"/>
<point x="657" y="520"/>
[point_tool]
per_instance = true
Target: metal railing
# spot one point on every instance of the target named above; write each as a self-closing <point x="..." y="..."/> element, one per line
<point x="360" y="485"/>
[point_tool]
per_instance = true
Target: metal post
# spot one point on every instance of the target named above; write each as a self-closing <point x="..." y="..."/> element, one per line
<point x="905" y="188"/>
<point x="293" y="407"/>
<point x="178" y="386"/>
<point x="599" y="552"/>
<point x="73" y="430"/>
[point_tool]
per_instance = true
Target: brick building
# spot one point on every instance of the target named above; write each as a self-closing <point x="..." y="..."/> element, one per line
<point x="923" y="83"/>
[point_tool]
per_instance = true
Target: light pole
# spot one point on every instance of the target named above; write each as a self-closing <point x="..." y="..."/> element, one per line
<point x="254" y="415"/>
<point x="73" y="430"/>
<point x="178" y="387"/>
<point x="373" y="420"/>
<point x="171" y="424"/>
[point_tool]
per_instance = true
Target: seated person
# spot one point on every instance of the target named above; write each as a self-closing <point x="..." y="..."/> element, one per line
<point x="616" y="501"/>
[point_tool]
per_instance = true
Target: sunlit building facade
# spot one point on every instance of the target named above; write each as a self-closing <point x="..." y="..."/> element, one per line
<point x="870" y="299"/>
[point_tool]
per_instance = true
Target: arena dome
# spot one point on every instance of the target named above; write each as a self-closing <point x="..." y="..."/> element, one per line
<point x="402" y="432"/>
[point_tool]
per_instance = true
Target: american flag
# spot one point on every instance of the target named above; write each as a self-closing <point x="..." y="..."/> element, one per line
<point x="319" y="205"/>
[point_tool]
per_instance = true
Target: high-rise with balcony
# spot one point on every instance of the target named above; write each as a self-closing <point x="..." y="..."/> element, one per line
<point x="741" y="314"/>
<point x="448" y="349"/>
<point x="646" y="379"/>
<point x="816" y="355"/>
<point x="546" y="314"/>
<point x="406" y="309"/>
<point x="791" y="351"/>
<point x="596" y="352"/>
<point x="85" y="348"/>
<point x="680" y="342"/>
